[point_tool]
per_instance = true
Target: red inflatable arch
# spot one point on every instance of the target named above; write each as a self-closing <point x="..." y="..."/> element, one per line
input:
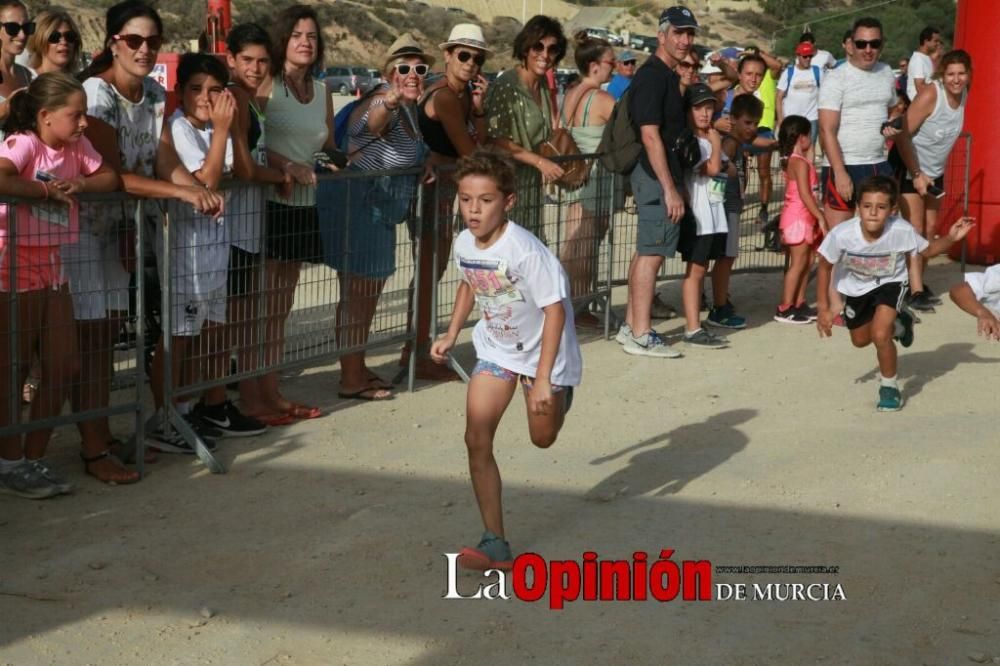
<point x="976" y="32"/>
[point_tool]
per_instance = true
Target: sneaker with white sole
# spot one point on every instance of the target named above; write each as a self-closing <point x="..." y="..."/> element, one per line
<point x="26" y="480"/>
<point x="705" y="340"/>
<point x="624" y="333"/>
<point x="51" y="476"/>
<point x="791" y="315"/>
<point x="724" y="316"/>
<point x="229" y="420"/>
<point x="164" y="437"/>
<point x="650" y="344"/>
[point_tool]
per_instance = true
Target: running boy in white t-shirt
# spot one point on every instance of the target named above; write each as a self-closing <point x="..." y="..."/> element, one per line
<point x="979" y="295"/>
<point x="877" y="250"/>
<point x="525" y="336"/>
<point x="199" y="255"/>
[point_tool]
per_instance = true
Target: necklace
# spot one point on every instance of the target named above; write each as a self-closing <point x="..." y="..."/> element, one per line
<point x="303" y="97"/>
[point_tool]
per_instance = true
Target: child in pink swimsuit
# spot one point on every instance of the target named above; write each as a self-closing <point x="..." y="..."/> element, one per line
<point x="800" y="219"/>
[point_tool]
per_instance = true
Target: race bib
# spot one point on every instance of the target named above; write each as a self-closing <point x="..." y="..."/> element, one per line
<point x="490" y="282"/>
<point x="717" y="189"/>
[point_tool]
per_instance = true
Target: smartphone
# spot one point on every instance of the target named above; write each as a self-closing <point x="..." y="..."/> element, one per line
<point x="326" y="157"/>
<point x="895" y="123"/>
<point x="936" y="191"/>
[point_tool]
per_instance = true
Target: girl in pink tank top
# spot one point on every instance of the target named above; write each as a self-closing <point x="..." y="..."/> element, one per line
<point x="800" y="219"/>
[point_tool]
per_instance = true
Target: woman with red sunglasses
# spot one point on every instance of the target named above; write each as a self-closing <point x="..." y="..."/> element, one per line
<point x="55" y="45"/>
<point x="519" y="109"/>
<point x="15" y="28"/>
<point x="452" y="117"/>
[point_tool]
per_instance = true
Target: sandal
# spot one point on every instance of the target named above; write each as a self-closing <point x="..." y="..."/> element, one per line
<point x="370" y="393"/>
<point x="121" y="476"/>
<point x="303" y="411"/>
<point x="274" y="419"/>
<point x="126" y="452"/>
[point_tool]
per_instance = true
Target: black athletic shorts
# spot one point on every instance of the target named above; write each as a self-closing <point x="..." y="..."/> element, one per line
<point x="859" y="310"/>
<point x="699" y="249"/>
<point x="244" y="272"/>
<point x="906" y="185"/>
<point x="291" y="233"/>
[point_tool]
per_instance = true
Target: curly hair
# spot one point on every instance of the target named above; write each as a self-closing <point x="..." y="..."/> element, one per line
<point x="490" y="163"/>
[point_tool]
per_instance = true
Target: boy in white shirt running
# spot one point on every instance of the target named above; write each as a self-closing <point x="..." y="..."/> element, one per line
<point x="525" y="336"/>
<point x="199" y="258"/>
<point x="877" y="251"/>
<point x="979" y="295"/>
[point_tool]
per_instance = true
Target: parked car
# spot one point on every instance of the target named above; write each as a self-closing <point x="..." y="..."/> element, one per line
<point x="349" y="80"/>
<point x="604" y="33"/>
<point x="643" y="43"/>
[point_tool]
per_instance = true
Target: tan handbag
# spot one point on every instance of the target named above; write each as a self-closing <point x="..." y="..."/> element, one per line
<point x="561" y="143"/>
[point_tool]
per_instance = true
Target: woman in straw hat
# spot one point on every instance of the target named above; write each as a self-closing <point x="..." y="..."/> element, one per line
<point x="383" y="133"/>
<point x="519" y="111"/>
<point x="452" y="120"/>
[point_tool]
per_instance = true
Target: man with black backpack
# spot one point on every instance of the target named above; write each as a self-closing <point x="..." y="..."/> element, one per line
<point x="656" y="106"/>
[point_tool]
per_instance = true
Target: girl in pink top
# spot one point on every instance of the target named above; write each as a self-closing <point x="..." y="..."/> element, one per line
<point x="45" y="160"/>
<point x="800" y="218"/>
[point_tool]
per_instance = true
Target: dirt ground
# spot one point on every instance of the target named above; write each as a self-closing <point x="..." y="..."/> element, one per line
<point x="324" y="543"/>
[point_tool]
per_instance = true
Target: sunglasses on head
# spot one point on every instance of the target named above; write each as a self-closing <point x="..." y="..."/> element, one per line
<point x="478" y="58"/>
<point x="135" y="42"/>
<point x="862" y="44"/>
<point x="14" y="29"/>
<point x="404" y="69"/>
<point x="70" y="36"/>
<point x="550" y="50"/>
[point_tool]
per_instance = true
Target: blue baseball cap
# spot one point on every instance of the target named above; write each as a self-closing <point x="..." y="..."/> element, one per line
<point x="679" y="17"/>
<point x="625" y="56"/>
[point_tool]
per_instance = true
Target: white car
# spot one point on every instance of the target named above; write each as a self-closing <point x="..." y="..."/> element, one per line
<point x="605" y="34"/>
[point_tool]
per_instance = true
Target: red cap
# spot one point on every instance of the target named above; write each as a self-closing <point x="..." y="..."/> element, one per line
<point x="805" y="49"/>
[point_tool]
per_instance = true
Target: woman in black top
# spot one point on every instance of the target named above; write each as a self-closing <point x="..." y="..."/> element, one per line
<point x="453" y="123"/>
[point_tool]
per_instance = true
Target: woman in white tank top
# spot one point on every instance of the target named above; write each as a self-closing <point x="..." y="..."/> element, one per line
<point x="933" y="124"/>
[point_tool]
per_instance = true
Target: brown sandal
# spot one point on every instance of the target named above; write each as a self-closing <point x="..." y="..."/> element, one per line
<point x="123" y="476"/>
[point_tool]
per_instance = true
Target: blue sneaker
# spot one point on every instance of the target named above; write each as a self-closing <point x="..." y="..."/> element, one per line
<point x="491" y="553"/>
<point x="725" y="316"/>
<point x="889" y="399"/>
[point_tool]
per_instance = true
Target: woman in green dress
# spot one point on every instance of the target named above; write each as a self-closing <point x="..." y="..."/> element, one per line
<point x="519" y="112"/>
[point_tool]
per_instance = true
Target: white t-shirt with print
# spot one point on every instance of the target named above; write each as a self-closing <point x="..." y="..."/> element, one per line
<point x="863" y="98"/>
<point x="824" y="59"/>
<point x="708" y="195"/>
<point x="801" y="91"/>
<point x="920" y="67"/>
<point x="199" y="244"/>
<point x="138" y="126"/>
<point x="866" y="265"/>
<point x="513" y="280"/>
<point x="986" y="287"/>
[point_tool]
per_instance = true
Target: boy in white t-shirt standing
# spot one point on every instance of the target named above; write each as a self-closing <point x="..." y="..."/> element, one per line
<point x="979" y="295"/>
<point x="199" y="257"/>
<point x="525" y="336"/>
<point x="877" y="251"/>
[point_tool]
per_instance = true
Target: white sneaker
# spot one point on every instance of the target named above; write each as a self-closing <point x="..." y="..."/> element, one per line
<point x="650" y="344"/>
<point x="624" y="334"/>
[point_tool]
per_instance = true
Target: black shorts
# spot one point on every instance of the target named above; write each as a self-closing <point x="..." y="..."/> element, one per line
<point x="699" y="249"/>
<point x="244" y="272"/>
<point x="906" y="185"/>
<point x="291" y="233"/>
<point x="857" y="173"/>
<point x="859" y="310"/>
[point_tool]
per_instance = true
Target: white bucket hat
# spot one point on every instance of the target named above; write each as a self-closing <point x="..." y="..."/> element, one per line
<point x="466" y="34"/>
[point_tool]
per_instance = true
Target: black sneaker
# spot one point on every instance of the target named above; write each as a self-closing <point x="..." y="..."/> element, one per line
<point x="228" y="420"/>
<point x="806" y="311"/>
<point x="165" y="438"/>
<point x="929" y="293"/>
<point x="904" y="327"/>
<point x="791" y="315"/>
<point x="920" y="302"/>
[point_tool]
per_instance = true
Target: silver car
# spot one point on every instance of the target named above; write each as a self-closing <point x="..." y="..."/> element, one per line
<point x="349" y="80"/>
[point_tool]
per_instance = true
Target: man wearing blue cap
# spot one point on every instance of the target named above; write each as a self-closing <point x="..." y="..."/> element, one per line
<point x="657" y="109"/>
<point x="621" y="80"/>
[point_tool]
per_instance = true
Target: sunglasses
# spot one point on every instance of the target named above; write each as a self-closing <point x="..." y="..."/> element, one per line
<point x="805" y="57"/>
<point x="404" y="69"/>
<point x="70" y="36"/>
<point x="14" y="29"/>
<point x="478" y="58"/>
<point x="550" y="50"/>
<point x="135" y="42"/>
<point x="628" y="63"/>
<point x="685" y="65"/>
<point x="862" y="44"/>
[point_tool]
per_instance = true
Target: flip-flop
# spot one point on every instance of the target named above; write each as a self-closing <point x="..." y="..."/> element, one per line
<point x="360" y="395"/>
<point x="304" y="411"/>
<point x="130" y="475"/>
<point x="272" y="420"/>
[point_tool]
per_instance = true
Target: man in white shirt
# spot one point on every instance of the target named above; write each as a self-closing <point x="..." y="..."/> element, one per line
<point x="798" y="88"/>
<point x="921" y="65"/>
<point x="823" y="59"/>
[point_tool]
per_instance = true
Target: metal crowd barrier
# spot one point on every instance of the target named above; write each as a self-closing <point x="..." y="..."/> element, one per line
<point x="73" y="344"/>
<point x="356" y="279"/>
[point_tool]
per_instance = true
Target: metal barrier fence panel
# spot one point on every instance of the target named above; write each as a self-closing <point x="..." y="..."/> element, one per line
<point x="72" y="282"/>
<point x="276" y="286"/>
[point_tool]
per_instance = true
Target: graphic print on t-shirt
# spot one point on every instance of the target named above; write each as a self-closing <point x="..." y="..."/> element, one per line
<point x="495" y="291"/>
<point x="876" y="266"/>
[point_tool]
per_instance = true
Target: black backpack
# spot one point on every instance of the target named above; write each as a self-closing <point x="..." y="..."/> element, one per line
<point x="620" y="145"/>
